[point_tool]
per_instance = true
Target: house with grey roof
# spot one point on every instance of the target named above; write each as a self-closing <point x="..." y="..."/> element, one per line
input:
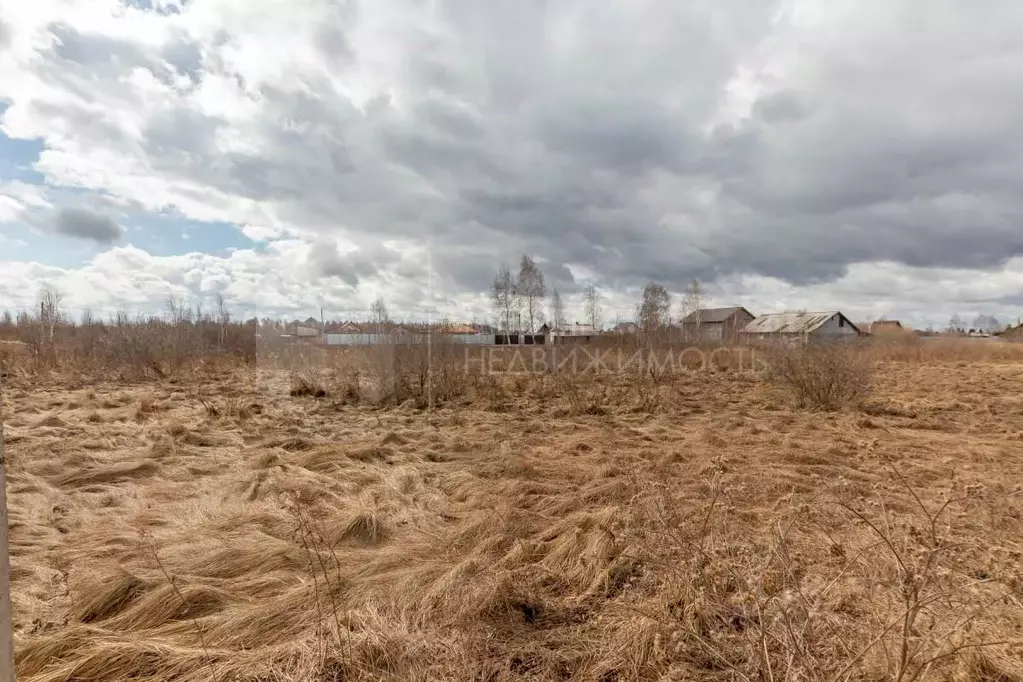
<point x="800" y="326"/>
<point x="715" y="324"/>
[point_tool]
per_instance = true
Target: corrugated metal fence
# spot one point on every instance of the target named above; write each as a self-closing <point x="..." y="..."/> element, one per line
<point x="395" y="339"/>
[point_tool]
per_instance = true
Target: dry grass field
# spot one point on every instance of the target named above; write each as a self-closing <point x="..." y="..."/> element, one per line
<point x="211" y="526"/>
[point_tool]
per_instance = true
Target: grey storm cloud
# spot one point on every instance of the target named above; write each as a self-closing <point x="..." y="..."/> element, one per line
<point x="326" y="260"/>
<point x="604" y="136"/>
<point x="85" y="224"/>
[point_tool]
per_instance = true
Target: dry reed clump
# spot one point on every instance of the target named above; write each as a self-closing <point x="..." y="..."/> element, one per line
<point x="363" y="527"/>
<point x="124" y="471"/>
<point x="822" y="376"/>
<point x="108" y="595"/>
<point x="306" y="385"/>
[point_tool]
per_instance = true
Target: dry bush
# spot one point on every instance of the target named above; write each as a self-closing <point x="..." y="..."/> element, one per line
<point x="129" y="347"/>
<point x="825" y="376"/>
<point x="894" y="604"/>
<point x="414" y="372"/>
<point x="306" y="385"/>
<point x="13" y="354"/>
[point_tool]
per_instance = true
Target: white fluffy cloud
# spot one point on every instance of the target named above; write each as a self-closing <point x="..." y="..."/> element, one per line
<point x="792" y="154"/>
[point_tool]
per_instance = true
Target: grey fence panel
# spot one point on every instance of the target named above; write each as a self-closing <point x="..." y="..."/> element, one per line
<point x="381" y="339"/>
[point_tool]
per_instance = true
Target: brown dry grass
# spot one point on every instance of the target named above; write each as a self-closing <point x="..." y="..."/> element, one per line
<point x="692" y="527"/>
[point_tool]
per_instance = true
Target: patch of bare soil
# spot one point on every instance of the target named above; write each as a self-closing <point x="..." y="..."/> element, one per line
<point x="694" y="529"/>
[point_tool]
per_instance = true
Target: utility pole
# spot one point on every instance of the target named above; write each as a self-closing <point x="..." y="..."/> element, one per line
<point x="6" y="619"/>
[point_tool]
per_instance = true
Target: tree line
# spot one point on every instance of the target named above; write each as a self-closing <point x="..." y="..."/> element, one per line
<point x="519" y="301"/>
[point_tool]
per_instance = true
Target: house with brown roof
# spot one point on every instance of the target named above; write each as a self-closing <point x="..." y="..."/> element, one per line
<point x="626" y="328"/>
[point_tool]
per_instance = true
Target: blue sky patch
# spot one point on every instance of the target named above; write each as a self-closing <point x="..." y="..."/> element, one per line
<point x="170" y="234"/>
<point x="23" y="243"/>
<point x="18" y="156"/>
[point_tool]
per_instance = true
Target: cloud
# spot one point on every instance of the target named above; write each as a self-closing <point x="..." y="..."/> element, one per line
<point x="737" y="140"/>
<point x="85" y="224"/>
<point x="10" y="209"/>
<point x="5" y="35"/>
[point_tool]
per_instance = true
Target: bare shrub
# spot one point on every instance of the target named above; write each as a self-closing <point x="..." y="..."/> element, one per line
<point x="424" y="373"/>
<point x="821" y="376"/>
<point x="758" y="611"/>
<point x="306" y="385"/>
<point x="127" y="347"/>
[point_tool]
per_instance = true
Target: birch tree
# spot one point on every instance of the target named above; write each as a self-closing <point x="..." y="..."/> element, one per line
<point x="504" y="297"/>
<point x="692" y="303"/>
<point x="378" y="312"/>
<point x="655" y="307"/>
<point x="557" y="310"/>
<point x="592" y="308"/>
<point x="531" y="290"/>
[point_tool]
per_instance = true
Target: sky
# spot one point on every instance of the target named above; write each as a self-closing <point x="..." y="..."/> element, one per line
<point x="854" y="155"/>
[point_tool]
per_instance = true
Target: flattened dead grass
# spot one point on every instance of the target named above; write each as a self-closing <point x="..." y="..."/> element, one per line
<point x="623" y="528"/>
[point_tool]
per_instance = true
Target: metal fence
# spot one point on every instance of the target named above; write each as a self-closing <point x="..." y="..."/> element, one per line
<point x="394" y="339"/>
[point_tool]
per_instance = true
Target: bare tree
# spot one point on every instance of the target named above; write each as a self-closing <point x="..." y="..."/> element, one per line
<point x="592" y="308"/>
<point x="504" y="297"/>
<point x="49" y="308"/>
<point x="378" y="313"/>
<point x="223" y="317"/>
<point x="987" y="323"/>
<point x="531" y="290"/>
<point x="557" y="310"/>
<point x="655" y="308"/>
<point x="692" y="303"/>
<point x="7" y="320"/>
<point x="177" y="310"/>
<point x="955" y="324"/>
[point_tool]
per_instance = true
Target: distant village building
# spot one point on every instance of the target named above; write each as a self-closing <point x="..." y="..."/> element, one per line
<point x="570" y="333"/>
<point x="800" y="326"/>
<point x="626" y="328"/>
<point x="343" y="328"/>
<point x="883" y="327"/>
<point x="886" y="328"/>
<point x="305" y="329"/>
<point x="716" y="324"/>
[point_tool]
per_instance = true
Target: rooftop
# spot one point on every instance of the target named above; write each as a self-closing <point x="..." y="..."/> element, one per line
<point x="713" y="315"/>
<point x="789" y="323"/>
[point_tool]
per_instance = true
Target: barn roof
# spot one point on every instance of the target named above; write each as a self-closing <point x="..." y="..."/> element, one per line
<point x="714" y="315"/>
<point x="791" y="323"/>
<point x="882" y="326"/>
